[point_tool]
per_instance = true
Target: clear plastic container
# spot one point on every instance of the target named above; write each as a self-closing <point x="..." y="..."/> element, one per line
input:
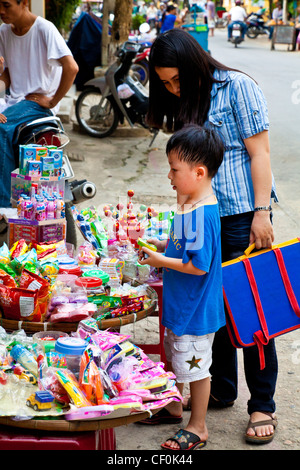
<point x="47" y="339"/>
<point x="72" y="348"/>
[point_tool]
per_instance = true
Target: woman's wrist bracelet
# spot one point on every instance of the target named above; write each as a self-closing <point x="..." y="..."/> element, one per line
<point x="263" y="208"/>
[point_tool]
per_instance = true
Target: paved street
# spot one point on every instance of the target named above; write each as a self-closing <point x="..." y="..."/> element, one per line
<point x="125" y="161"/>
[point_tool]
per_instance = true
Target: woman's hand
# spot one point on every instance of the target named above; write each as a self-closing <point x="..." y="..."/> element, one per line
<point x="261" y="233"/>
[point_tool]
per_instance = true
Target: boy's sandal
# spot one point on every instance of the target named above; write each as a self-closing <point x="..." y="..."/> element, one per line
<point x="186" y="440"/>
<point x="261" y="439"/>
<point x="161" y="417"/>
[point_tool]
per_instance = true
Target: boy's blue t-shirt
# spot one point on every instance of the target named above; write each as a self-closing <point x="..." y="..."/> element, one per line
<point x="193" y="304"/>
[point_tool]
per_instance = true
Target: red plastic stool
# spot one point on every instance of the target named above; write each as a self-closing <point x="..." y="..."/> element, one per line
<point x="157" y="348"/>
<point x="27" y="439"/>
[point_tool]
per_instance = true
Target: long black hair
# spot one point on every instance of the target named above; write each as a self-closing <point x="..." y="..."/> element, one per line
<point x="177" y="48"/>
<point x="167" y="10"/>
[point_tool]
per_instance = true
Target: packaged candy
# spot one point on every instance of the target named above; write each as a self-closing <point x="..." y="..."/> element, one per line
<point x="72" y="388"/>
<point x="18" y="249"/>
<point x="19" y="304"/>
<point x="90" y="380"/>
<point x="32" y="281"/>
<point x="28" y="259"/>
<point x="7" y="268"/>
<point x="4" y="254"/>
<point x="6" y="279"/>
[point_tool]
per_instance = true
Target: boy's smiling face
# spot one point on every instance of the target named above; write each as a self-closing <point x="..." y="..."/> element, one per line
<point x="184" y="176"/>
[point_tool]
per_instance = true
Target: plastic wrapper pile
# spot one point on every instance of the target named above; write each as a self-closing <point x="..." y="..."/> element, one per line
<point x="93" y="374"/>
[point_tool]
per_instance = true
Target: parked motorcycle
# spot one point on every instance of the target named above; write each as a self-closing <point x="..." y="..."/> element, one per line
<point x="256" y="26"/>
<point x="50" y="131"/>
<point x="237" y="36"/>
<point x="140" y="67"/>
<point x="108" y="100"/>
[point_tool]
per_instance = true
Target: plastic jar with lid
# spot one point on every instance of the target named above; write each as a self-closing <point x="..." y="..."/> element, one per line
<point x="72" y="348"/>
<point x="92" y="285"/>
<point x="97" y="273"/>
<point x="47" y="339"/>
<point x="70" y="269"/>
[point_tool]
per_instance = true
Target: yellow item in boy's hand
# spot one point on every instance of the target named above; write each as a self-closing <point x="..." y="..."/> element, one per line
<point x="141" y="243"/>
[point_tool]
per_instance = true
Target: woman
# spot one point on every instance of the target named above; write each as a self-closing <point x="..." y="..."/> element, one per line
<point x="169" y="18"/>
<point x="188" y="86"/>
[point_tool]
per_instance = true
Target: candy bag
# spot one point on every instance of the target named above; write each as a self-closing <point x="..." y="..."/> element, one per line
<point x="6" y="279"/>
<point x="18" y="248"/>
<point x="19" y="304"/>
<point x="4" y="254"/>
<point x="32" y="281"/>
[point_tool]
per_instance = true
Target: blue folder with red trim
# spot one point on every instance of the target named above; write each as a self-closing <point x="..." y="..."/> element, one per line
<point x="262" y="295"/>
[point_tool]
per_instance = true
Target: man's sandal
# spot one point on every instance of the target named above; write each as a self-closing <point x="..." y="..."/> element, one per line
<point x="261" y="439"/>
<point x="186" y="440"/>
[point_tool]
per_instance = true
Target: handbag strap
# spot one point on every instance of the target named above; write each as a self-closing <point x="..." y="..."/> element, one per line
<point x="261" y="337"/>
<point x="286" y="281"/>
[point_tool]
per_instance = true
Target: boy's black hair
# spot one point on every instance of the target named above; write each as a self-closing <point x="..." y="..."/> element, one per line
<point x="195" y="144"/>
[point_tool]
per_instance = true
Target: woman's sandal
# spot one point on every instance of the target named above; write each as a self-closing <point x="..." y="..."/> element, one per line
<point x="186" y="440"/>
<point x="261" y="439"/>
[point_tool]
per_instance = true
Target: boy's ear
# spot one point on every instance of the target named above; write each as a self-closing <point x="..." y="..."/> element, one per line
<point x="201" y="171"/>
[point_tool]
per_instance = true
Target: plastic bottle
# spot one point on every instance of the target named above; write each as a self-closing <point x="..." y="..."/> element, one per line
<point x="34" y="191"/>
<point x="40" y="213"/>
<point x="20" y="207"/>
<point x="26" y="208"/>
<point x="50" y="211"/>
<point x="25" y="358"/>
<point x="60" y="207"/>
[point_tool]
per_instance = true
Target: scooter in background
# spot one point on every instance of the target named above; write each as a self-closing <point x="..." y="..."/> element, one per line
<point x="107" y="101"/>
<point x="237" y="36"/>
<point x="256" y="26"/>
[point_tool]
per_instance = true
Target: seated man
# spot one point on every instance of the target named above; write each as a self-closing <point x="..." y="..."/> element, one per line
<point x="39" y="70"/>
<point x="238" y="15"/>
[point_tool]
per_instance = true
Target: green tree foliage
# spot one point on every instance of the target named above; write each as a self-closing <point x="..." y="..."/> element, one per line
<point x="60" y="12"/>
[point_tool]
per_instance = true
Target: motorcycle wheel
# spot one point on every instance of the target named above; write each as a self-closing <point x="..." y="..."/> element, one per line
<point x="97" y="121"/>
<point x="252" y="32"/>
<point x="141" y="72"/>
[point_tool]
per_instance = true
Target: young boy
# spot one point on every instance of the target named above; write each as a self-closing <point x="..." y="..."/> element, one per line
<point x="192" y="281"/>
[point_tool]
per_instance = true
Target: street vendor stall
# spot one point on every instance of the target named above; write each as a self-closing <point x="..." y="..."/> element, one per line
<point x="67" y="373"/>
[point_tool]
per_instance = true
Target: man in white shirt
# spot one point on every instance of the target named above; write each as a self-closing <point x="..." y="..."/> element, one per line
<point x="277" y="13"/>
<point x="39" y="70"/>
<point x="237" y="15"/>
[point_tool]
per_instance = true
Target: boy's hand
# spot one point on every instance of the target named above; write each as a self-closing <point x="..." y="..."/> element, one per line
<point x="160" y="244"/>
<point x="155" y="259"/>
